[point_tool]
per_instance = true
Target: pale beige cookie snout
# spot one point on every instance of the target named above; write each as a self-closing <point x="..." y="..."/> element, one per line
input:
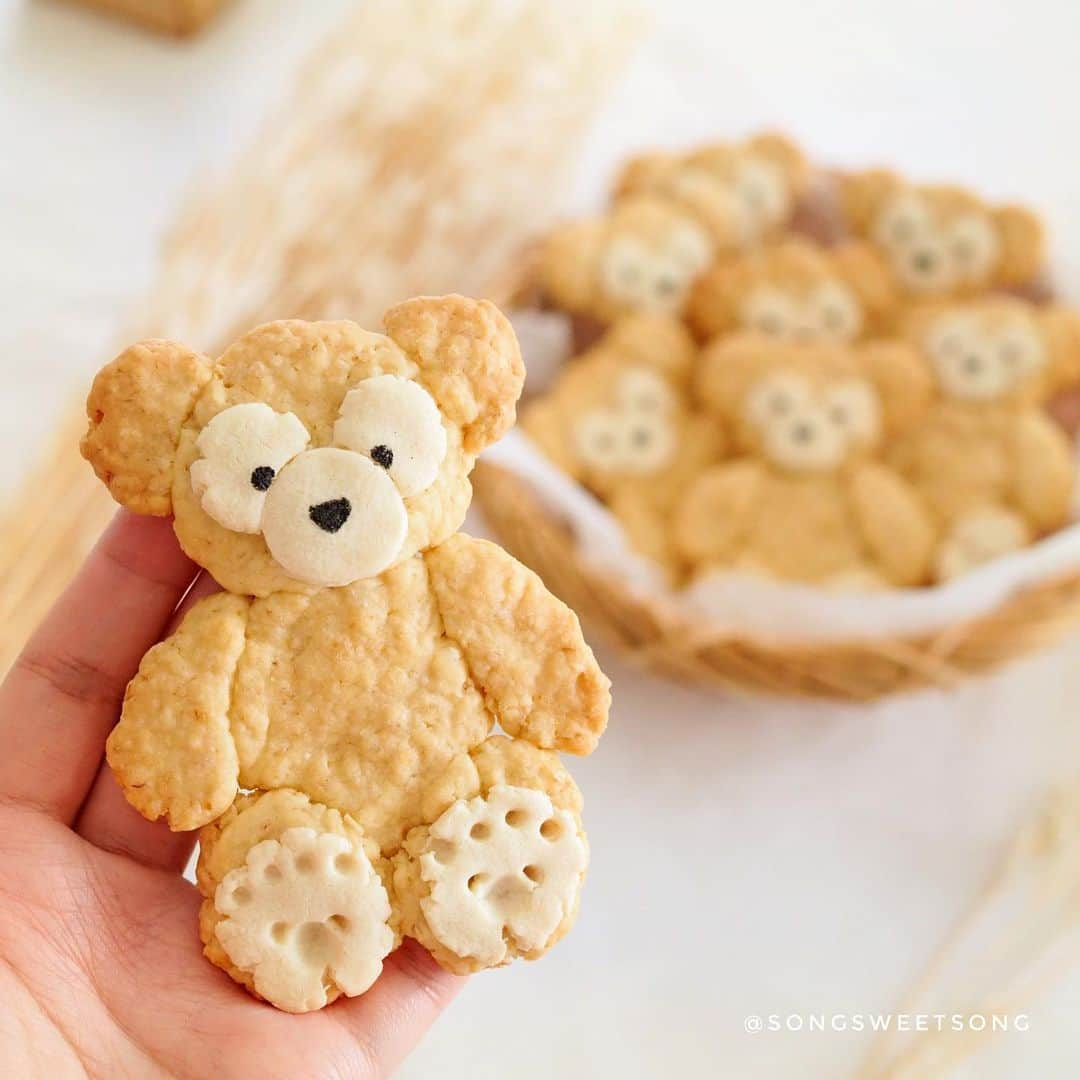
<point x="333" y="516"/>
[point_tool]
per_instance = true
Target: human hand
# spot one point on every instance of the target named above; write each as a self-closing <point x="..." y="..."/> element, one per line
<point x="101" y="970"/>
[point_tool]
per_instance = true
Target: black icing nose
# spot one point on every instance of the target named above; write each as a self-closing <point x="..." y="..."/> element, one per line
<point x="972" y="364"/>
<point x="330" y="515"/>
<point x="924" y="261"/>
<point x="803" y="433"/>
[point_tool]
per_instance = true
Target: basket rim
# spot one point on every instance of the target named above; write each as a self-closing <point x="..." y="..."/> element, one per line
<point x="1040" y="614"/>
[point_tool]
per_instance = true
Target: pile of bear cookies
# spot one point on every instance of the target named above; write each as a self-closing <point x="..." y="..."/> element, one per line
<point x="838" y="379"/>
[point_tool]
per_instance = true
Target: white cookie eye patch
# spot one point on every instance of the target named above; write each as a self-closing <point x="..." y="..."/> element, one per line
<point x="855" y="408"/>
<point x="395" y="423"/>
<point x="830" y="313"/>
<point x="242" y="449"/>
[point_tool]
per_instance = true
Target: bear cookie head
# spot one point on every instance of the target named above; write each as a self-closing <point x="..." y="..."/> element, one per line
<point x="640" y="257"/>
<point x="997" y="350"/>
<point x="941" y="240"/>
<point x="309" y="455"/>
<point x="796" y="291"/>
<point x="812" y="408"/>
<point x="618" y="414"/>
<point x="619" y="420"/>
<point x="742" y="193"/>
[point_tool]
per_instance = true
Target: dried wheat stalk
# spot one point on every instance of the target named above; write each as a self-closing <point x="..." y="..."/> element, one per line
<point x="419" y="148"/>
<point x="1020" y="936"/>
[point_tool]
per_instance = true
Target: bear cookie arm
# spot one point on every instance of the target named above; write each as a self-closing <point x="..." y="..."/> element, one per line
<point x="172" y="750"/>
<point x="523" y="646"/>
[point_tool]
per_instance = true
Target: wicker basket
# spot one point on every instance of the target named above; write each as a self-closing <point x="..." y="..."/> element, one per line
<point x="653" y="634"/>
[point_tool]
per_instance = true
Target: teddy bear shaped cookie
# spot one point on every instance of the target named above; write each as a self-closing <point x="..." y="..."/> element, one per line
<point x="639" y="257"/>
<point x="619" y="421"/>
<point x="994" y="469"/>
<point x="807" y="502"/>
<point x="794" y="290"/>
<point x="327" y="718"/>
<point x="942" y="241"/>
<point x="742" y="192"/>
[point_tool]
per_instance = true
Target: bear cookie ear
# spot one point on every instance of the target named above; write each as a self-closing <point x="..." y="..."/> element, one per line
<point x="469" y="360"/>
<point x="1023" y="245"/>
<point x="863" y="194"/>
<point x="136" y="408"/>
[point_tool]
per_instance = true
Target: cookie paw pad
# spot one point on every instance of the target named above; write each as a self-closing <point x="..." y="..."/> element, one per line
<point x="305" y="913"/>
<point x="501" y="870"/>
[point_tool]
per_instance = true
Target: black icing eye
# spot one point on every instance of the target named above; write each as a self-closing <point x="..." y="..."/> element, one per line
<point x="262" y="478"/>
<point x="839" y="415"/>
<point x="780" y="404"/>
<point x="382" y="455"/>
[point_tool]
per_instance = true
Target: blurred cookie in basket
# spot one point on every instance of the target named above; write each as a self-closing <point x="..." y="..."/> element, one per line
<point x="639" y="257"/>
<point x="941" y="240"/>
<point x="807" y="501"/>
<point x="618" y="421"/>
<point x="995" y="470"/>
<point x="178" y="17"/>
<point x="743" y="192"/>
<point x="796" y="291"/>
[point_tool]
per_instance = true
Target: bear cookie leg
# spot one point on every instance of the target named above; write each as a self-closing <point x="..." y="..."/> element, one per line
<point x="295" y="907"/>
<point x="496" y="874"/>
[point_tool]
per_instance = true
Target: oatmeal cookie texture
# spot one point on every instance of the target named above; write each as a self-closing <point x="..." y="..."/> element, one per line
<point x="328" y="719"/>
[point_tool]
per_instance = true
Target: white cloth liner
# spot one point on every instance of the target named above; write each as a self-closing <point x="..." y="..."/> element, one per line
<point x="780" y="612"/>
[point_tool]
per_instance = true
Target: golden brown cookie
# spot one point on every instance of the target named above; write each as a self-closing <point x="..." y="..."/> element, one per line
<point x="312" y="716"/>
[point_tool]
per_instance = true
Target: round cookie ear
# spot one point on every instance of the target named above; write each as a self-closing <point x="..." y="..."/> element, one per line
<point x="468" y="358"/>
<point x="865" y="272"/>
<point x="711" y="305"/>
<point x="861" y="196"/>
<point x="1022" y="245"/>
<point x="903" y="382"/>
<point x="136" y="408"/>
<point x="654" y="341"/>
<point x="1061" y="330"/>
<point x="785" y="155"/>
<point x="568" y="264"/>
<point x="643" y="173"/>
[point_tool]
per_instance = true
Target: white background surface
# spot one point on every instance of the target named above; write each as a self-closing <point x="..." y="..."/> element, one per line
<point x="749" y="857"/>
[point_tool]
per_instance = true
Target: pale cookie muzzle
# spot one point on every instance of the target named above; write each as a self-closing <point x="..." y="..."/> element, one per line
<point x="333" y="516"/>
<point x="503" y="869"/>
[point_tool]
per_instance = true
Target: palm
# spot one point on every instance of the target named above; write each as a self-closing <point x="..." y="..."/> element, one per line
<point x="101" y="970"/>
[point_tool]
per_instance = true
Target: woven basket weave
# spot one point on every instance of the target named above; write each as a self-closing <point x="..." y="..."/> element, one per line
<point x="653" y="634"/>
